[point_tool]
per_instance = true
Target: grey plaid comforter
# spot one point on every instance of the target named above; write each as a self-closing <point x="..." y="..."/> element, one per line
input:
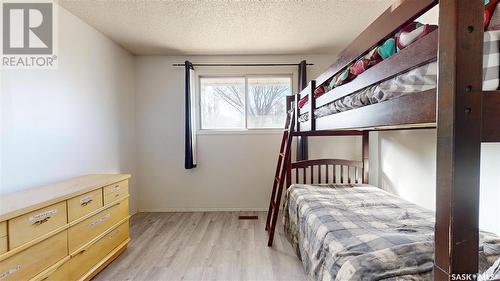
<point x="417" y="80"/>
<point x="364" y="233"/>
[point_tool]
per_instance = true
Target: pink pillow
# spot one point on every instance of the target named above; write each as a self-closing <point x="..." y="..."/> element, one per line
<point x="486" y="19"/>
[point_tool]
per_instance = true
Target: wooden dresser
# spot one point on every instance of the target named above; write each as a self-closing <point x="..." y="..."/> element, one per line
<point x="65" y="231"/>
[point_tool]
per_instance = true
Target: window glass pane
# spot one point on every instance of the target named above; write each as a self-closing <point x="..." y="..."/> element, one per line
<point x="222" y="103"/>
<point x="266" y="101"/>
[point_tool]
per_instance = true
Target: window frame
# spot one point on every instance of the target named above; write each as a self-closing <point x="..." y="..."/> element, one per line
<point x="246" y="74"/>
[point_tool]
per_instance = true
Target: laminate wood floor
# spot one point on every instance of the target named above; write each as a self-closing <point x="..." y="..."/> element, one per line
<point x="203" y="246"/>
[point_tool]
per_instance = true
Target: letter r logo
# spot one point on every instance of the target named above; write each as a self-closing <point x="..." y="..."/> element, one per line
<point x="27" y="28"/>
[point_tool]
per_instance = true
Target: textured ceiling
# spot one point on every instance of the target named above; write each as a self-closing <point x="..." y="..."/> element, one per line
<point x="227" y="27"/>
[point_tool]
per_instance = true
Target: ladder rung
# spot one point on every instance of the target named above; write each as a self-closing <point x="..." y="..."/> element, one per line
<point x="277" y="179"/>
<point x="282" y="154"/>
<point x="274" y="205"/>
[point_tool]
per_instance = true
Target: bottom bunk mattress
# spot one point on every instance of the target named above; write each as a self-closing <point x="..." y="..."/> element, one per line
<point x="364" y="233"/>
<point x="420" y="79"/>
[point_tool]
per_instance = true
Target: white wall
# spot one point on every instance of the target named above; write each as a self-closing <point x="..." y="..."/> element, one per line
<point x="407" y="167"/>
<point x="235" y="171"/>
<point x="75" y="120"/>
<point x="489" y="211"/>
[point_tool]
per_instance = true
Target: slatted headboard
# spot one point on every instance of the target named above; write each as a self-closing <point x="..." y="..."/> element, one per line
<point x="326" y="171"/>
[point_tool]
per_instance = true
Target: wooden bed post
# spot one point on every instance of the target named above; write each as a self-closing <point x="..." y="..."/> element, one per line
<point x="297" y="115"/>
<point x="302" y="141"/>
<point x="365" y="154"/>
<point x="290" y="103"/>
<point x="458" y="137"/>
<point x="311" y="105"/>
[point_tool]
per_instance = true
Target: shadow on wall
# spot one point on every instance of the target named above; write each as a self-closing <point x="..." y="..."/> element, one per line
<point x="386" y="183"/>
<point x="407" y="165"/>
<point x="407" y="168"/>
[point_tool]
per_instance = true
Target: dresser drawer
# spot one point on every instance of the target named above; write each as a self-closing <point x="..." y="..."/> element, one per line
<point x="85" y="231"/>
<point x="3" y="229"/>
<point x="115" y="191"/>
<point x="30" y="262"/>
<point x="3" y="244"/>
<point x="80" y="263"/>
<point x="35" y="224"/>
<point x="84" y="204"/>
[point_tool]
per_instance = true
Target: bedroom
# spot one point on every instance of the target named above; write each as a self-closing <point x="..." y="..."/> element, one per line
<point x="115" y="103"/>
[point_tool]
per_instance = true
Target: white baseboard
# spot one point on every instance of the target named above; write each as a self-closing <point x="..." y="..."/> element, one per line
<point x="192" y="210"/>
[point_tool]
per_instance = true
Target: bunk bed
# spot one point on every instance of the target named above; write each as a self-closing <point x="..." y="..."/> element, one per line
<point x="456" y="99"/>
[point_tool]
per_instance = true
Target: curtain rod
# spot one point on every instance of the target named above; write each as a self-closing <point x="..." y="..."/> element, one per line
<point x="241" y="64"/>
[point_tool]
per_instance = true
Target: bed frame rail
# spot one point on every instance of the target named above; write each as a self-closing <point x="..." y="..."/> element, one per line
<point x="417" y="110"/>
<point x="326" y="171"/>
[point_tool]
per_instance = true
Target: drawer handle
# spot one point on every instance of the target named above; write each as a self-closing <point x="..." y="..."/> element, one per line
<point x="99" y="220"/>
<point x="86" y="202"/>
<point x="43" y="217"/>
<point x="10" y="271"/>
<point x="42" y="221"/>
<point x="103" y="218"/>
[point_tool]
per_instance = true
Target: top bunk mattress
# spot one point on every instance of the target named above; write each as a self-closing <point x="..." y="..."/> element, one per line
<point x="364" y="233"/>
<point x="419" y="79"/>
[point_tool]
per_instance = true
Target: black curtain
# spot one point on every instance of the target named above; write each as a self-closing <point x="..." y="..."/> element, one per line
<point x="302" y="145"/>
<point x="189" y="140"/>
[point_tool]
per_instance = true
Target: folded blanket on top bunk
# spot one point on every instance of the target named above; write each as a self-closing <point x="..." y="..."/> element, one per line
<point x="417" y="80"/>
<point x="364" y="233"/>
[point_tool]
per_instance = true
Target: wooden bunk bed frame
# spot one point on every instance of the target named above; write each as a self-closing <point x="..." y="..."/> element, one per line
<point x="463" y="114"/>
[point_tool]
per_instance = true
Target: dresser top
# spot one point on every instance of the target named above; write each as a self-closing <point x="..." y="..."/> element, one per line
<point x="24" y="201"/>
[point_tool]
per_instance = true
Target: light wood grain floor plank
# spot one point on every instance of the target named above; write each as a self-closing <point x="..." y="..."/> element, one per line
<point x="203" y="246"/>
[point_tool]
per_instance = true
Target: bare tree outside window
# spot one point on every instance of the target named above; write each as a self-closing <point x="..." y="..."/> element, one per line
<point x="222" y="103"/>
<point x="232" y="95"/>
<point x="225" y="104"/>
<point x="266" y="102"/>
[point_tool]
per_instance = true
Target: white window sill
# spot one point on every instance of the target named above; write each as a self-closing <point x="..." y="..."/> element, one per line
<point x="241" y="132"/>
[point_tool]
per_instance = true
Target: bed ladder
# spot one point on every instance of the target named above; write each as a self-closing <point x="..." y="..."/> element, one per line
<point x="280" y="176"/>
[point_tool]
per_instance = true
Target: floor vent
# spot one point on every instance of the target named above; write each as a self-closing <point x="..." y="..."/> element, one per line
<point x="248" y="217"/>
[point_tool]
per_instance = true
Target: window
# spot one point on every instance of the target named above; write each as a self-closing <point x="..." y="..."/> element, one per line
<point x="239" y="103"/>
